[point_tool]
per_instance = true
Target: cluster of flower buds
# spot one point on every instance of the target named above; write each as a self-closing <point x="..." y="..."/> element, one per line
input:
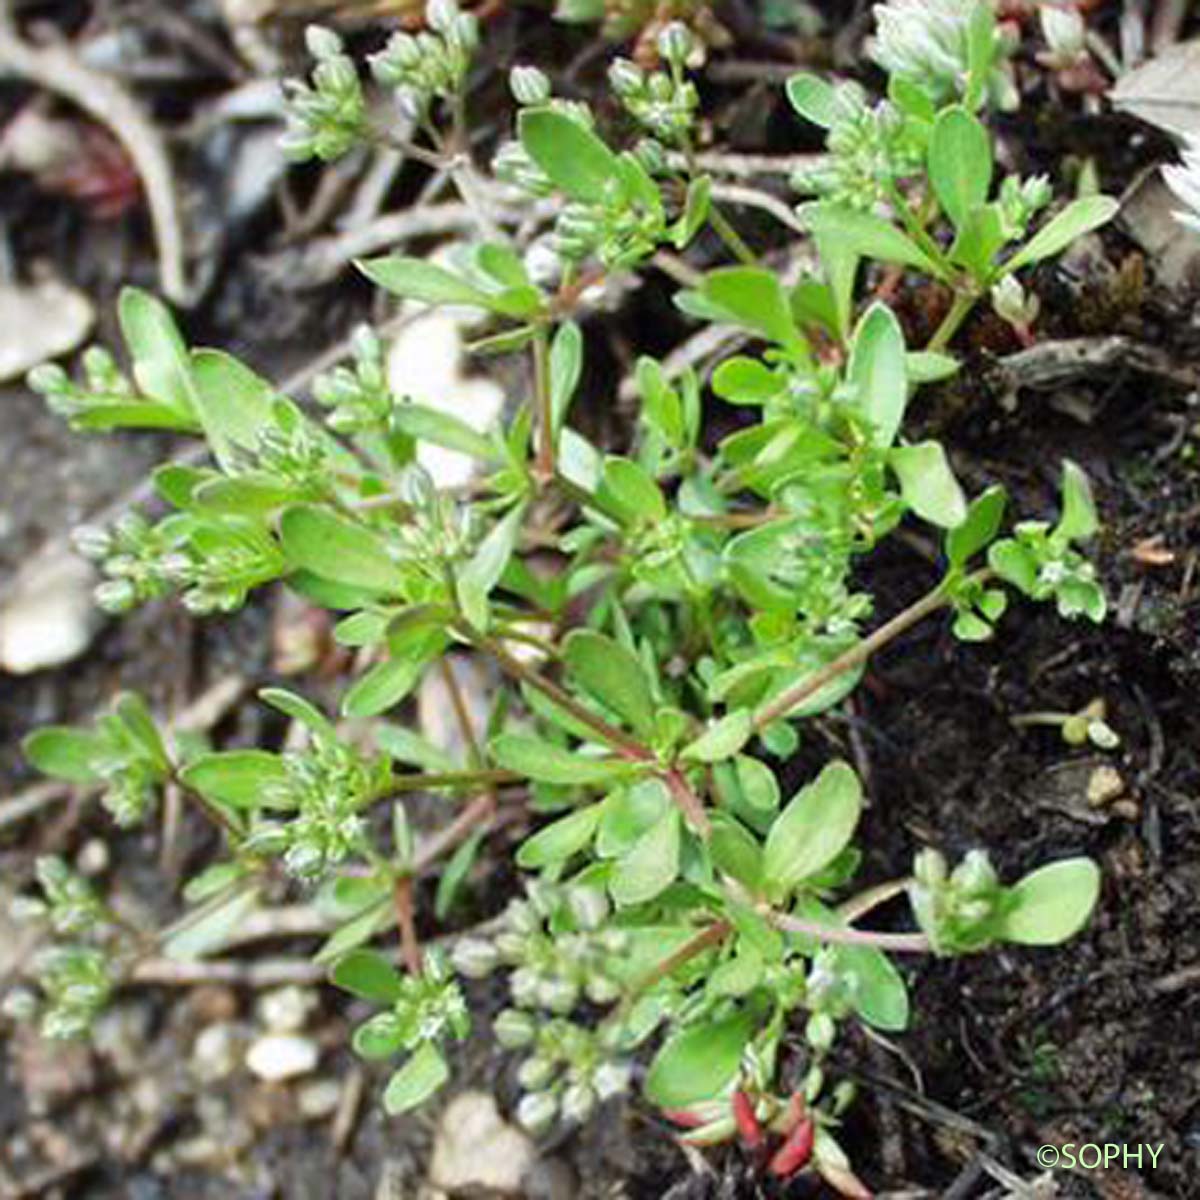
<point x="427" y="1009"/>
<point x="1044" y="565"/>
<point x="663" y="102"/>
<point x="568" y="1070"/>
<point x="870" y="150"/>
<point x="132" y="554"/>
<point x="327" y="117"/>
<point x="438" y="530"/>
<point x="69" y="903"/>
<point x="359" y="398"/>
<point x="328" y="785"/>
<point x="429" y="65"/>
<point x="104" y="385"/>
<point x="234" y="555"/>
<point x="551" y="971"/>
<point x="1020" y="201"/>
<point x="927" y="43"/>
<point x="957" y="910"/>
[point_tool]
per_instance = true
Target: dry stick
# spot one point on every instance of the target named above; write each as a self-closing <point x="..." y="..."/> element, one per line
<point x="410" y="947"/>
<point x="787" y="700"/>
<point x="57" y="69"/>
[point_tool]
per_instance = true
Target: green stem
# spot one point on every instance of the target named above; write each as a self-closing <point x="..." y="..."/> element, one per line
<point x="858" y="906"/>
<point x="730" y="236"/>
<point x="452" y="779"/>
<point x="959" y="311"/>
<point x="917" y="231"/>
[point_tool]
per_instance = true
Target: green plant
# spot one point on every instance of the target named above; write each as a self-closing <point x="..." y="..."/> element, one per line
<point x="705" y="606"/>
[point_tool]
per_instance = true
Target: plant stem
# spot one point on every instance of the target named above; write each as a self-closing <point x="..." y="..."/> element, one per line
<point x="620" y="741"/>
<point x="858" y="906"/>
<point x="544" y="467"/>
<point x="917" y="231"/>
<point x="402" y="897"/>
<point x="711" y="936"/>
<point x="895" y="943"/>
<point x="730" y="236"/>
<point x="427" y="781"/>
<point x="787" y="700"/>
<point x="958" y="313"/>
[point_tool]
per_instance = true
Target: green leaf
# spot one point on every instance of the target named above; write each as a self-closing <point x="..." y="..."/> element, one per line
<point x="356" y="932"/>
<point x="233" y="403"/>
<point x="208" y="929"/>
<point x="613" y="675"/>
<point x="367" y="975"/>
<point x="298" y="709"/>
<point x="442" y="429"/>
<point x="877" y="370"/>
<point x="981" y="524"/>
<point x="698" y="1063"/>
<point x="813" y="829"/>
<point x="336" y="549"/>
<point x="813" y="98"/>
<point x="868" y="236"/>
<point x="548" y="763"/>
<point x="1079" y="520"/>
<point x="417" y="279"/>
<point x="696" y="207"/>
<point x="982" y="51"/>
<point x="160" y="356"/>
<point x="1078" y="218"/>
<point x="628" y="813"/>
<point x="139" y="725"/>
<point x="661" y="408"/>
<point x="879" y="994"/>
<point x="628" y="491"/>
<point x="64" y="753"/>
<point x="1052" y="903"/>
<point x="573" y="158"/>
<point x="379" y="1037"/>
<point x="476" y="580"/>
<point x="755" y="298"/>
<point x="960" y="163"/>
<point x="388" y="682"/>
<point x="722" y="740"/>
<point x="651" y="866"/>
<point x="978" y="241"/>
<point x="735" y="851"/>
<point x="416" y="1081"/>
<point x="747" y="381"/>
<point x="928" y="366"/>
<point x="927" y="483"/>
<point x="454" y="874"/>
<point x="566" y="368"/>
<point x="239" y="778"/>
<point x="561" y="839"/>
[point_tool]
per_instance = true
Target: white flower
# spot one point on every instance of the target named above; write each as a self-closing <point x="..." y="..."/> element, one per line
<point x="1184" y="180"/>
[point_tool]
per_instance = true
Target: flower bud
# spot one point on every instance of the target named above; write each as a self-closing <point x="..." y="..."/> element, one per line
<point x="611" y="1078"/>
<point x="601" y="990"/>
<point x="1064" y="31"/>
<point x="536" y="1112"/>
<point x="92" y="542"/>
<point x="558" y="995"/>
<point x="474" y="957"/>
<point x="820" y="1031"/>
<point x="115" y="596"/>
<point x="626" y="78"/>
<point x="535" y="1073"/>
<point x="441" y="15"/>
<point x="929" y="868"/>
<point x="322" y="43"/>
<point x="523" y="985"/>
<point x="528" y="85"/>
<point x="47" y="378"/>
<point x="676" y="43"/>
<point x="975" y="875"/>
<point x="514" y="1029"/>
<point x="578" y="1103"/>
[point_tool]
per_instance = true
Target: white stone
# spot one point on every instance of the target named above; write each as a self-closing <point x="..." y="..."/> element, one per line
<point x="38" y="322"/>
<point x="476" y="1148"/>
<point x="275" y="1057"/>
<point x="48" y="617"/>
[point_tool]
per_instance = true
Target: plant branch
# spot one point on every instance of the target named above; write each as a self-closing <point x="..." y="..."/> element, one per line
<point x="894" y="943"/>
<point x="961" y="308"/>
<point x="544" y="466"/>
<point x="788" y="699"/>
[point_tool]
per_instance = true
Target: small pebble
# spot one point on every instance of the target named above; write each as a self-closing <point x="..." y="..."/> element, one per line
<point x="319" y="1099"/>
<point x="275" y="1057"/>
<point x="476" y="1148"/>
<point x="215" y="1052"/>
<point x="286" y="1009"/>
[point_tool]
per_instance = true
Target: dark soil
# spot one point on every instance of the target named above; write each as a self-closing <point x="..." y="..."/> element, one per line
<point x="1093" y="1042"/>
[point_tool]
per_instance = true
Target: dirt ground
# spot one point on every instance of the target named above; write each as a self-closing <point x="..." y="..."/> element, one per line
<point x="1091" y="1043"/>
